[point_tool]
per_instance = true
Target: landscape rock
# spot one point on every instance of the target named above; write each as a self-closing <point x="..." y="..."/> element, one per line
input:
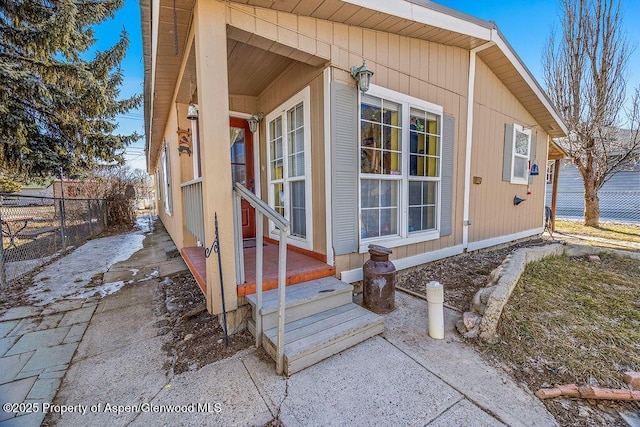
<point x="472" y="334"/>
<point x="470" y="320"/>
<point x="633" y="379"/>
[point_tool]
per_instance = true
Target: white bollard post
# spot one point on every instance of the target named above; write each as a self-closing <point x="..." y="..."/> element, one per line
<point x="435" y="301"/>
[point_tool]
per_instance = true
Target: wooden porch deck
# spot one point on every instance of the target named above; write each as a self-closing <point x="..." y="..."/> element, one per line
<point x="300" y="267"/>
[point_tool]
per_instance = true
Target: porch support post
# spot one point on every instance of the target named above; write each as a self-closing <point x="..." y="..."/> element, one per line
<point x="213" y="99"/>
<point x="554" y="192"/>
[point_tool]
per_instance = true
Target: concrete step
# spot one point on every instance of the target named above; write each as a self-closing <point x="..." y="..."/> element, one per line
<point x="301" y="300"/>
<point x="312" y="339"/>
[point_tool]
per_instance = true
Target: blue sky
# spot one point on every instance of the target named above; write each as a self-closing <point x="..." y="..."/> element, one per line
<point x="525" y="24"/>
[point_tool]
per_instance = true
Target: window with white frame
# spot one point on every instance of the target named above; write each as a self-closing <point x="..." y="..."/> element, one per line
<point x="289" y="160"/>
<point x="520" y="155"/>
<point x="400" y="144"/>
<point x="166" y="180"/>
<point x="551" y="166"/>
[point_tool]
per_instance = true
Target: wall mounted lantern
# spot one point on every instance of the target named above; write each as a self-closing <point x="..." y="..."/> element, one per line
<point x="362" y="74"/>
<point x="254" y="120"/>
<point x="192" y="112"/>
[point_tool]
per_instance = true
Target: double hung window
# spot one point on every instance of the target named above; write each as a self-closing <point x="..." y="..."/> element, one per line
<point x="400" y="162"/>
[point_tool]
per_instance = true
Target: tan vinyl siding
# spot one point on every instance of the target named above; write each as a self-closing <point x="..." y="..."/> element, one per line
<point x="491" y="203"/>
<point x="243" y="104"/>
<point x="425" y="70"/>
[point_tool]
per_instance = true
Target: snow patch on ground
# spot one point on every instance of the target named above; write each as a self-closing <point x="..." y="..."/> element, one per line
<point x="71" y="276"/>
<point x="145" y="223"/>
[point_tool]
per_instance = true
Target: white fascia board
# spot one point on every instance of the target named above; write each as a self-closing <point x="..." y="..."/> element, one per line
<point x="424" y="15"/>
<point x="529" y="79"/>
<point x="155" y="21"/>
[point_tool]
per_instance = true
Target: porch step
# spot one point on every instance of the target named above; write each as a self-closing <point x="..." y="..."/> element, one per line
<point x="312" y="339"/>
<point x="301" y="300"/>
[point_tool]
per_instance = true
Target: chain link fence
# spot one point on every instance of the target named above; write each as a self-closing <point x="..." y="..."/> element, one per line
<point x="37" y="229"/>
<point x="615" y="206"/>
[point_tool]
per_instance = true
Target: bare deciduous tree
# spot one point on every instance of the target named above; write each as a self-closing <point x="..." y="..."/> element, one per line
<point x="585" y="73"/>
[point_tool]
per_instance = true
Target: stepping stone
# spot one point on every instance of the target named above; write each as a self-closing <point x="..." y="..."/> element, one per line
<point x="39" y="340"/>
<point x="64" y="305"/>
<point x="15" y="392"/>
<point x="51" y="357"/>
<point x="7" y="327"/>
<point x="20" y="313"/>
<point x="6" y="343"/>
<point x="10" y="366"/>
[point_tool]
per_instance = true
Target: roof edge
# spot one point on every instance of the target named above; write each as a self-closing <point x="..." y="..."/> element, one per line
<point x="450" y="19"/>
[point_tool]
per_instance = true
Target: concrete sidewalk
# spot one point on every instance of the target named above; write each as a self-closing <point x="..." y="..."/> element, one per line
<point x="117" y="376"/>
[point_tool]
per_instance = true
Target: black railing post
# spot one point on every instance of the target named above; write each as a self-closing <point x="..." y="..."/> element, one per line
<point x="89" y="215"/>
<point x="63" y="234"/>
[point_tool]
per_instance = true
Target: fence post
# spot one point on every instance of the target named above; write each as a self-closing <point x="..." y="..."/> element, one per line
<point x="104" y="212"/>
<point x="63" y="234"/>
<point x="90" y="216"/>
<point x="3" y="269"/>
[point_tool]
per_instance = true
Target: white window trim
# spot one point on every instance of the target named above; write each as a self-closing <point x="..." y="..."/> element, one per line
<point x="403" y="237"/>
<point x="168" y="206"/>
<point x="517" y="179"/>
<point x="551" y="165"/>
<point x="303" y="96"/>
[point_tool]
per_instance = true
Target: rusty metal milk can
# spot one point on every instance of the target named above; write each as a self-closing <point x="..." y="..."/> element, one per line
<point x="379" y="281"/>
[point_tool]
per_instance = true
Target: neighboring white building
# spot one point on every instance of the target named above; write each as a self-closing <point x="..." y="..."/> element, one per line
<point x="619" y="196"/>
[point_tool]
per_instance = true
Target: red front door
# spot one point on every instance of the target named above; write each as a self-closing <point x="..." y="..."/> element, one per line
<point x="242" y="170"/>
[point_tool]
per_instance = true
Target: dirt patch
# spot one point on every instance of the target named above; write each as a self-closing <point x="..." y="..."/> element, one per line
<point x="196" y="338"/>
<point x="462" y="275"/>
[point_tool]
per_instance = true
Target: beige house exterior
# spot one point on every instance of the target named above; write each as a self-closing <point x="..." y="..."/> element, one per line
<point x="427" y="162"/>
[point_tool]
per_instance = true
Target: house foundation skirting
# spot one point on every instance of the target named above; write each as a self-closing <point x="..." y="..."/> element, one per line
<point x="355" y="275"/>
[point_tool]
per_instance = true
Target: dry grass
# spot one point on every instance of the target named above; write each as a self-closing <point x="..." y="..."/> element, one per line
<point x="625" y="232"/>
<point x="572" y="320"/>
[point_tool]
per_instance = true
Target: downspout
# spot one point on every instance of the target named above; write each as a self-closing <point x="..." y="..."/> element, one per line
<point x="469" y="143"/>
<point x="327" y="77"/>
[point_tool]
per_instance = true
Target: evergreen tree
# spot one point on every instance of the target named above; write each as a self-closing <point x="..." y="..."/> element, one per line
<point x="57" y="108"/>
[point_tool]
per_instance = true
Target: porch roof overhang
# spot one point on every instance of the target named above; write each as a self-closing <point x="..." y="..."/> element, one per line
<point x="165" y="43"/>
<point x="556" y="152"/>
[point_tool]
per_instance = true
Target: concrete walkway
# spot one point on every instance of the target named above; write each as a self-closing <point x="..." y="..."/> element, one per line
<point x="117" y="376"/>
